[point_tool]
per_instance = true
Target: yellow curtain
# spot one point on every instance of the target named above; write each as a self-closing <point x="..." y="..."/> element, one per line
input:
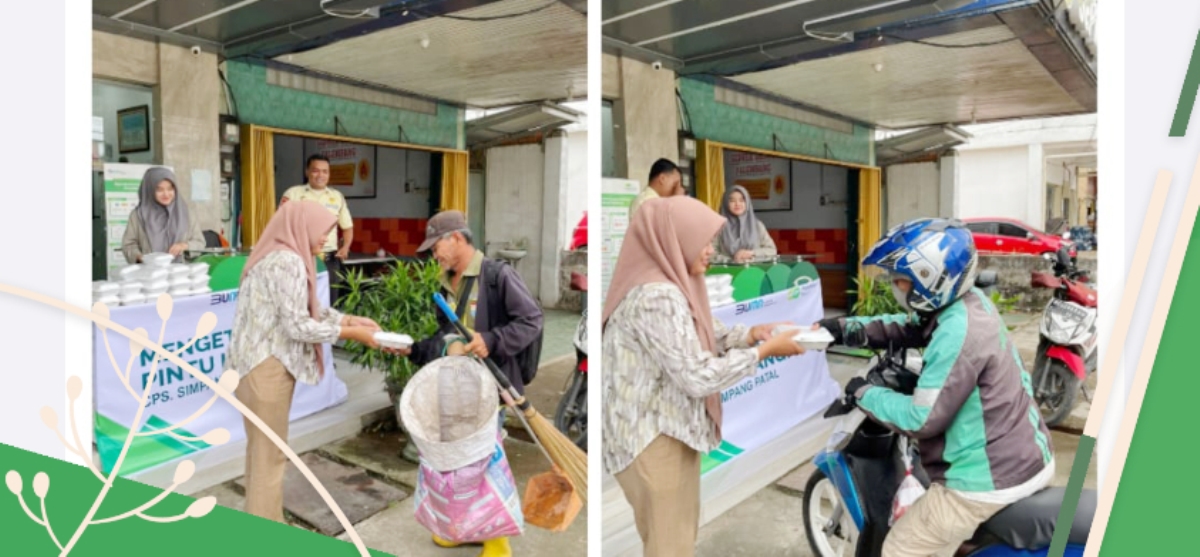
<point x="258" y="182"/>
<point x="710" y="173"/>
<point x="870" y="218"/>
<point x="454" y="182"/>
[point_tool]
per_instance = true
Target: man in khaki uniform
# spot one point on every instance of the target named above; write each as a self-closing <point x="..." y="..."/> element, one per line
<point x="317" y="190"/>
<point x="665" y="181"/>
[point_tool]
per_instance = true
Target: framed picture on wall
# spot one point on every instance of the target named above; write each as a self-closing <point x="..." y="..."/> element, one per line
<point x="133" y="129"/>
<point x="351" y="166"/>
<point x="767" y="179"/>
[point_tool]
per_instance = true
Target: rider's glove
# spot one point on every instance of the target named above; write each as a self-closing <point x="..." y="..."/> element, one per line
<point x="856" y="388"/>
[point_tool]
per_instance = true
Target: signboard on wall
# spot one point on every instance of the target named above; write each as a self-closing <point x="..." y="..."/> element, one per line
<point x="615" y="197"/>
<point x="767" y="179"/>
<point x="351" y="165"/>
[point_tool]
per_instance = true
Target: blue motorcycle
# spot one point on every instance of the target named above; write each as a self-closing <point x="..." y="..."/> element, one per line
<point x="848" y="500"/>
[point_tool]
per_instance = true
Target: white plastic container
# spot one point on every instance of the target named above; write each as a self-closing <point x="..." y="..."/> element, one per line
<point x="110" y="300"/>
<point x="197" y="269"/>
<point x="133" y="300"/>
<point x="159" y="260"/>
<point x="179" y="270"/>
<point x="395" y="341"/>
<point x="151" y="274"/>
<point x="181" y="282"/>
<point x="129" y="271"/>
<point x="818" y="340"/>
<point x="180" y="292"/>
<point x="199" y="282"/>
<point x="200" y="291"/>
<point x="104" y="287"/>
<point x="131" y="287"/>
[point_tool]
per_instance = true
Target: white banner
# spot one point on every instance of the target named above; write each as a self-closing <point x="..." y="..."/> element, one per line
<point x="176" y="396"/>
<point x="784" y="392"/>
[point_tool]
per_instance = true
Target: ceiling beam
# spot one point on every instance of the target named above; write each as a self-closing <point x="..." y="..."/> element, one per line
<point x="146" y="32"/>
<point x="726" y="21"/>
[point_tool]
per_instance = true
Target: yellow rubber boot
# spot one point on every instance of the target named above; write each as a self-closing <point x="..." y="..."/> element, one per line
<point x="496" y="548"/>
<point x="444" y="543"/>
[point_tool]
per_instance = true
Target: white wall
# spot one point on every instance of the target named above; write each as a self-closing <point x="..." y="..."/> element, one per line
<point x="393" y="167"/>
<point x="577" y="177"/>
<point x="107" y="99"/>
<point x="1002" y="182"/>
<point x="515" y="189"/>
<point x="912" y="191"/>
<point x="809" y="180"/>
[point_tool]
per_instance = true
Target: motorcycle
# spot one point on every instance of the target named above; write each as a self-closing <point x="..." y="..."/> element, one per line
<point x="1067" y="350"/>
<point x="571" y="415"/>
<point x="848" y="500"/>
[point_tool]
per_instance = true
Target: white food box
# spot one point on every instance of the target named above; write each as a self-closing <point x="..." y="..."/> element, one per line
<point x="133" y="300"/>
<point x="105" y="287"/>
<point x="130" y="271"/>
<point x="819" y="339"/>
<point x="179" y="270"/>
<point x="395" y="341"/>
<point x="159" y="260"/>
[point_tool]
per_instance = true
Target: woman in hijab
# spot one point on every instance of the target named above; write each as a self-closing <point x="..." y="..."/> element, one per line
<point x="666" y="361"/>
<point x="160" y="223"/>
<point x="744" y="237"/>
<point x="278" y="332"/>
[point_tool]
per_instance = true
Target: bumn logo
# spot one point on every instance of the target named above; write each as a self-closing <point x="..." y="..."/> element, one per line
<point x="223" y="298"/>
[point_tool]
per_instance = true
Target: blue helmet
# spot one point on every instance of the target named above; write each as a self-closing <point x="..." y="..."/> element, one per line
<point x="937" y="255"/>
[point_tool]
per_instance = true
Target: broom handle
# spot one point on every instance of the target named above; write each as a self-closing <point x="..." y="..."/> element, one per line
<point x="462" y="330"/>
<point x="510" y="395"/>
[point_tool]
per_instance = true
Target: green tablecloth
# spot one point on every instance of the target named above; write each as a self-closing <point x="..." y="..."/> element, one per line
<point x="225" y="271"/>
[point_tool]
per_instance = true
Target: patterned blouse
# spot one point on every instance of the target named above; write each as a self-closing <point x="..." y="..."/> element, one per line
<point x="656" y="375"/>
<point x="272" y="319"/>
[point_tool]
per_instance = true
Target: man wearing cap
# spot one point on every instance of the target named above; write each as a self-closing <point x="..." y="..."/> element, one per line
<point x="493" y="303"/>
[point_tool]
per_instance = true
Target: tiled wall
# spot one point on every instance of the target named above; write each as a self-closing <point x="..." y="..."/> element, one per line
<point x="829" y="246"/>
<point x="397" y="236"/>
<point x="730" y="124"/>
<point x="282" y="107"/>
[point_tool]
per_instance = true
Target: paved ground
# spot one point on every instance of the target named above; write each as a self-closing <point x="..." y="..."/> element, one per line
<point x="373" y="485"/>
<point x="771" y="521"/>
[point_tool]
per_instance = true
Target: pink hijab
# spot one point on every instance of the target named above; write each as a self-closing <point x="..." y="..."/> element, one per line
<point x="296" y="227"/>
<point x="665" y="237"/>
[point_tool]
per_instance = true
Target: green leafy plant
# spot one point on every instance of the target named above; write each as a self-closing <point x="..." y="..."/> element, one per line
<point x="1004" y="304"/>
<point x="401" y="301"/>
<point x="874" y="297"/>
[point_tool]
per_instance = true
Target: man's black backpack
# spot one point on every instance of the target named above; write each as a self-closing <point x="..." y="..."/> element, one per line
<point x="527" y="360"/>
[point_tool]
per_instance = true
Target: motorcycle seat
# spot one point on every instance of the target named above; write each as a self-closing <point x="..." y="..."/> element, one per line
<point x="1029" y="523"/>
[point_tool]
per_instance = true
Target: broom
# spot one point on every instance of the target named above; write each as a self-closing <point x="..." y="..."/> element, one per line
<point x="559" y="450"/>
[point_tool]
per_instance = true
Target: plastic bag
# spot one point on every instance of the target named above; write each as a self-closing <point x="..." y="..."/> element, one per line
<point x="472" y="504"/>
<point x="910" y="488"/>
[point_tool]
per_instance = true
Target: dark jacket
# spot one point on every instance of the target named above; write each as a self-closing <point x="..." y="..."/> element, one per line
<point x="508" y="318"/>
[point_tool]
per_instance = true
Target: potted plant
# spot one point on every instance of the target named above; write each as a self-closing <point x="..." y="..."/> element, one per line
<point x="401" y="301"/>
<point x="874" y="297"/>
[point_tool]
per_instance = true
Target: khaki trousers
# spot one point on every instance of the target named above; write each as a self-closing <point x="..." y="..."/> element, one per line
<point x="937" y="524"/>
<point x="266" y="391"/>
<point x="663" y="487"/>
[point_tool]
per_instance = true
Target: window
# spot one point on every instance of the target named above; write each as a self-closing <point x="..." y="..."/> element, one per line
<point x="982" y="227"/>
<point x="1012" y="230"/>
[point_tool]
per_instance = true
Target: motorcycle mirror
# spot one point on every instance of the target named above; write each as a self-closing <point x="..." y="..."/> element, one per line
<point x="839" y="408"/>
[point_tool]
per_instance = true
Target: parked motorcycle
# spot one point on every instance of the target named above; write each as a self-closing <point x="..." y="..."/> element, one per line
<point x="848" y="500"/>
<point x="1067" y="352"/>
<point x="571" y="415"/>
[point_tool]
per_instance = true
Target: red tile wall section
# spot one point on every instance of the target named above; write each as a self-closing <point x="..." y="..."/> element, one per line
<point x="397" y="236"/>
<point x="827" y="246"/>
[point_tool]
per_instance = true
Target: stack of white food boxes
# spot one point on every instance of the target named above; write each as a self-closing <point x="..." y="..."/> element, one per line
<point x="720" y="290"/>
<point x="157" y="275"/>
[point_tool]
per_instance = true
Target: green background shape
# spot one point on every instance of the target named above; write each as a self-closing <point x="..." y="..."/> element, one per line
<point x="73" y="490"/>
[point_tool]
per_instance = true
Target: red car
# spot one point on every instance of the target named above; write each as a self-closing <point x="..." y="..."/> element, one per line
<point x="579" y="238"/>
<point x="1013" y="236"/>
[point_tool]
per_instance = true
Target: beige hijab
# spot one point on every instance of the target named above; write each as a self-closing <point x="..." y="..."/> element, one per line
<point x="295" y="228"/>
<point x="665" y="237"/>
